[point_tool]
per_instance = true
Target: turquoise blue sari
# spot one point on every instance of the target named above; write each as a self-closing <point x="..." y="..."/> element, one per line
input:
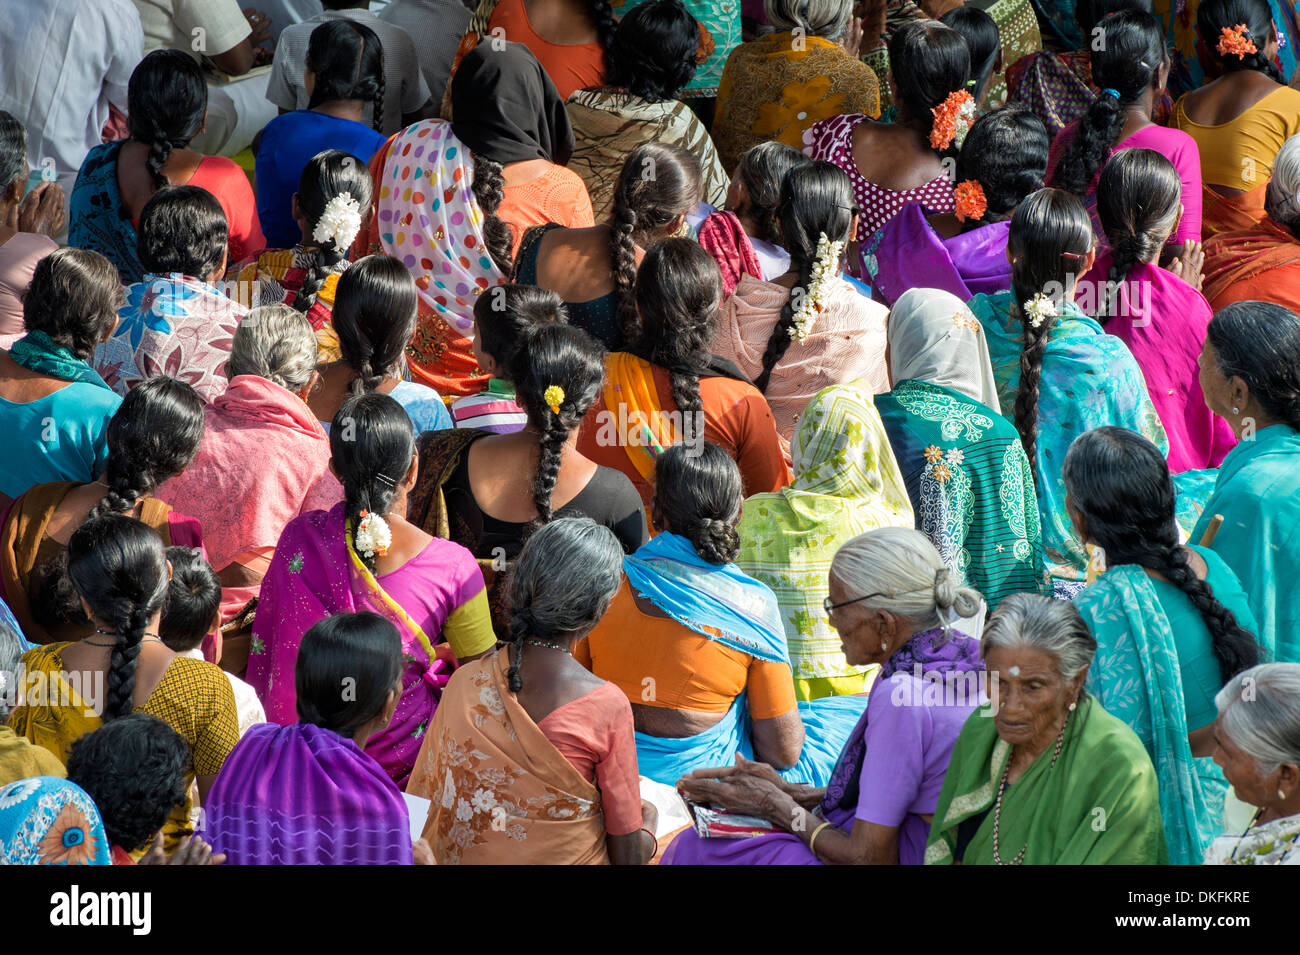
<point x="670" y="574"/>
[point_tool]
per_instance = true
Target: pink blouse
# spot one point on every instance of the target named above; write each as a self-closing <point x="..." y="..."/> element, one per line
<point x="18" y="257"/>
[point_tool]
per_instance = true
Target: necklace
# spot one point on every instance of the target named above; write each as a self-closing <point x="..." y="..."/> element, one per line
<point x="997" y="805"/>
<point x="549" y="646"/>
<point x="110" y="633"/>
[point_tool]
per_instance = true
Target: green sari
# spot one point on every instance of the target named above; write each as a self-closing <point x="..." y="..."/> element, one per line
<point x="1098" y="805"/>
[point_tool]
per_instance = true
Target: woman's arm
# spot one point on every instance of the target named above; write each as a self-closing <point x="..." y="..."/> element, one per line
<point x="778" y="741"/>
<point x="635" y="848"/>
<point x="468" y="628"/>
<point x="776" y="730"/>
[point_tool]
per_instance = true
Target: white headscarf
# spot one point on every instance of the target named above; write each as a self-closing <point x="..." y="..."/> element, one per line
<point x="934" y="337"/>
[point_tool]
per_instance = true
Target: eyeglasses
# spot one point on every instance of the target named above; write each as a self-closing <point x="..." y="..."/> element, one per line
<point x="828" y="606"/>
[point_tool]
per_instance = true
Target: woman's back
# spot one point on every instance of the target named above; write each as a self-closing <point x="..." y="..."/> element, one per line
<point x="562" y="37"/>
<point x="1239" y="128"/>
<point x="577" y="265"/>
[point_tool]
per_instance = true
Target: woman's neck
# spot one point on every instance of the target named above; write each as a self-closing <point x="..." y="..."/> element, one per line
<point x="1027" y="754"/>
<point x="353" y="109"/>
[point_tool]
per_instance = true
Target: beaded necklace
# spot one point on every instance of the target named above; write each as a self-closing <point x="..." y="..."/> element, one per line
<point x="997" y="805"/>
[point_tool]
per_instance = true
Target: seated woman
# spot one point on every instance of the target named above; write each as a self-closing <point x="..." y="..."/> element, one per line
<point x="489" y="492"/>
<point x="27" y="226"/>
<point x="262" y="417"/>
<point x="1131" y="65"/>
<point x="1054" y="366"/>
<point x="119" y="569"/>
<point x="175" y="321"/>
<point x="846" y="482"/>
<point x="1261" y="263"/>
<point x="167" y="102"/>
<point x="1153" y="310"/>
<point x="980" y="31"/>
<point x="1241" y="119"/>
<point x="345" y="73"/>
<point x="1250" y="372"/>
<point x="653" y="58"/>
<point x="593" y="270"/>
<point x="19" y="758"/>
<point x="668" y="387"/>
<point x="744" y="237"/>
<point x="532" y="738"/>
<point x="154" y="436"/>
<point x="965" y="471"/>
<point x="573" y="40"/>
<point x="331" y="206"/>
<point x="1255" y="747"/>
<point x="308" y="792"/>
<point x="1002" y="160"/>
<point x="506" y="148"/>
<point x="1171" y="622"/>
<point x="374" y="317"/>
<point x="1004" y="766"/>
<point x="69" y="309"/>
<point x="699" y="647"/>
<point x="778" y="86"/>
<point x="362" y="554"/>
<point x="46" y="820"/>
<point x="877" y="806"/>
<point x="892" y="164"/>
<point x="793" y="343"/>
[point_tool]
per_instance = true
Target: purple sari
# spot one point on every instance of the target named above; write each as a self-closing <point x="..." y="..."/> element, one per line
<point x="911" y="255"/>
<point x="303" y="795"/>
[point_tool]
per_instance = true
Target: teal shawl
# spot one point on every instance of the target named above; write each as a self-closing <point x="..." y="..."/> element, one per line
<point x="37" y="352"/>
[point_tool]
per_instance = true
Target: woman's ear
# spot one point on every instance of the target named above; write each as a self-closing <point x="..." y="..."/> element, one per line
<point x="412" y="472"/>
<point x="90" y="614"/>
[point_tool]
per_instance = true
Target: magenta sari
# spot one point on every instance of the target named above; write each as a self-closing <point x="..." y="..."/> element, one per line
<point x="911" y="255"/>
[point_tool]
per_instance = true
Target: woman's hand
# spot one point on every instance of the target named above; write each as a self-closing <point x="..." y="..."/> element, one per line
<point x="1187" y="264"/>
<point x="43" y="211"/>
<point x="193" y="852"/>
<point x="421" y="853"/>
<point x="853" y="38"/>
<point x="741" y="793"/>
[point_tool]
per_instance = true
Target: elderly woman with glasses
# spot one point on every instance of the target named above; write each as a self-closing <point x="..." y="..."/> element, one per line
<point x="1042" y="775"/>
<point x="894" y="602"/>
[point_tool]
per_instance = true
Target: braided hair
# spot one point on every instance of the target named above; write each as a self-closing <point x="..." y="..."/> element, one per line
<point x="1138" y="201"/>
<point x="1213" y="16"/>
<point x="118" y="567"/>
<point x="506" y="315"/>
<point x="929" y="62"/>
<point x="1049" y="240"/>
<point x="1120" y="483"/>
<point x="1006" y="153"/>
<point x="760" y="171"/>
<point x="167" y="99"/>
<point x="1259" y="342"/>
<point x="698" y="494"/>
<point x="658" y="184"/>
<point x="601" y="13"/>
<point x="327" y="174"/>
<point x="654" y="50"/>
<point x="816" y="198"/>
<point x="375" y="314"/>
<point x="1127" y="61"/>
<point x="347" y="61"/>
<point x="488" y="187"/>
<point x="372" y="444"/>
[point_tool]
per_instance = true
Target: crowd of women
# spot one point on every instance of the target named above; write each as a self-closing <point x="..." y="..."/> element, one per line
<point x="848" y="428"/>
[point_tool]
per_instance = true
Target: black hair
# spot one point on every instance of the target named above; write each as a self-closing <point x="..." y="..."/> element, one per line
<point x="375" y="313"/>
<point x="761" y="171"/>
<point x="571" y="360"/>
<point x="980" y="31"/>
<point x="678" y="294"/>
<point x="1006" y="153"/>
<point x="182" y="229"/>
<point x="167" y="98"/>
<point x="698" y="494"/>
<point x="153" y="436"/>
<point x="135" y="769"/>
<point x="1214" y="16"/>
<point x="118" y="566"/>
<point x="658" y="183"/>
<point x="328" y="174"/>
<point x="488" y="187"/>
<point x="1138" y="199"/>
<point x="348" y="60"/>
<point x="602" y="18"/>
<point x="1089" y="13"/>
<point x="654" y="52"/>
<point x="372" y="443"/>
<point x="816" y="198"/>
<point x="1127" y="61"/>
<point x="193" y="599"/>
<point x="73" y="297"/>
<point x="1121" y="484"/>
<point x="356" y="652"/>
<point x="1259" y="342"/>
<point x="929" y="62"/>
<point x="505" y="315"/>
<point x="1049" y="240"/>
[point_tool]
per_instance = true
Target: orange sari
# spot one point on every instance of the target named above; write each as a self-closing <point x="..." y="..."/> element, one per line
<point x="1260" y="263"/>
<point x="1229" y="213"/>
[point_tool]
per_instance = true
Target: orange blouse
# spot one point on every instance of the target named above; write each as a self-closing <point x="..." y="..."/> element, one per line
<point x="571" y="66"/>
<point x="557" y="195"/>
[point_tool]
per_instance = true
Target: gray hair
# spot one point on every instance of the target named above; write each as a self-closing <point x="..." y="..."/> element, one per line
<point x="828" y="19"/>
<point x="13" y="152"/>
<point x="277" y="343"/>
<point x="1259" y="710"/>
<point x="902" y="566"/>
<point x="11" y="650"/>
<point x="1034" y="622"/>
<point x="1282" y="195"/>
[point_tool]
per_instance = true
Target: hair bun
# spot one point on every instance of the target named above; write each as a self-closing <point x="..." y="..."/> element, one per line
<point x="945" y="590"/>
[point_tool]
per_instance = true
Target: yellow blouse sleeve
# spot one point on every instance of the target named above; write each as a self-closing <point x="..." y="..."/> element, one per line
<point x="469" y="627"/>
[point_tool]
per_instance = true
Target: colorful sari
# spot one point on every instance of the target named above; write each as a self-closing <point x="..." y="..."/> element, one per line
<point x="1187" y="71"/>
<point x="501" y="792"/>
<point x="315" y="574"/>
<point x="721" y="235"/>
<point x="1260" y="263"/>
<point x="719" y="22"/>
<point x="45" y="820"/>
<point x="276" y="276"/>
<point x="97" y="216"/>
<point x="846" y="482"/>
<point x="910" y="254"/>
<point x="1096" y="804"/>
<point x="304" y="795"/>
<point x="1273" y="843"/>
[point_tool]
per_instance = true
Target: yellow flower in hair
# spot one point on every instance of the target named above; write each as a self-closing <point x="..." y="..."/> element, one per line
<point x="554" y="397"/>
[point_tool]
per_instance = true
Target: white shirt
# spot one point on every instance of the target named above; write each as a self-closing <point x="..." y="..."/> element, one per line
<point x="172" y="25"/>
<point x="247" y="705"/>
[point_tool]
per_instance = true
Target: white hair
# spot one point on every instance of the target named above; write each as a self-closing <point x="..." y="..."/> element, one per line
<point x="1259" y="710"/>
<point x="828" y="19"/>
<point x="10" y="652"/>
<point x="1040" y="623"/>
<point x="1282" y="195"/>
<point x="277" y="343"/>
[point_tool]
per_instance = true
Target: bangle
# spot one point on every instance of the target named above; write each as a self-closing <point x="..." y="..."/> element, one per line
<point x="813" y="840"/>
<point x="652" y="836"/>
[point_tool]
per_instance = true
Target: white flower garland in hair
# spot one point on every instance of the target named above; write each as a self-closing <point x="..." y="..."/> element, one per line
<point x="373" y="535"/>
<point x="340" y="222"/>
<point x="1040" y="308"/>
<point x="824" y="268"/>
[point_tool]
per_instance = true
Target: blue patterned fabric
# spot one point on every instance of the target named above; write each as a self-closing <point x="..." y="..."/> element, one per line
<point x="45" y="820"/>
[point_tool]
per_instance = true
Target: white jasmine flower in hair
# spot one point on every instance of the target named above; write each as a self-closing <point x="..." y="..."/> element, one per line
<point x="825" y="267"/>
<point x="340" y="222"/>
<point x="373" y="535"/>
<point x="1040" y="308"/>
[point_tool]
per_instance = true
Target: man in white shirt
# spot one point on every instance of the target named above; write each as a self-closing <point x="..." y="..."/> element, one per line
<point x="436" y="26"/>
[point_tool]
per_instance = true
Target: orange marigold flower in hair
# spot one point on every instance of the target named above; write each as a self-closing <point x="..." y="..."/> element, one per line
<point x="970" y="200"/>
<point x="952" y="120"/>
<point x="1236" y="41"/>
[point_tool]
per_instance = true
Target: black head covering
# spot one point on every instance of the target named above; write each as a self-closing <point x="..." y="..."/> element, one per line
<point x="504" y="107"/>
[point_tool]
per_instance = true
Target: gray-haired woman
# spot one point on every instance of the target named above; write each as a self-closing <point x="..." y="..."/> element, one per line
<point x="27" y="225"/>
<point x="530" y="758"/>
<point x="1042" y="775"/>
<point x="1258" y="739"/>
